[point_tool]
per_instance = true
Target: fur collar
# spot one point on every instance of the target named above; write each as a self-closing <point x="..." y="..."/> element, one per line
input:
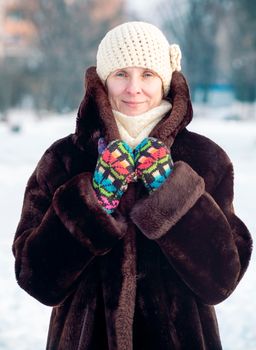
<point x="95" y="117"/>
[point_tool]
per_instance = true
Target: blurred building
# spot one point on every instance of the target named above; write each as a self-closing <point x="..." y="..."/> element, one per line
<point x="19" y="35"/>
<point x="104" y="9"/>
<point x="45" y="47"/>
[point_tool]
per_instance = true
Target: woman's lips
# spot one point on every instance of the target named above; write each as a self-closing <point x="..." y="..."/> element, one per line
<point x="133" y="103"/>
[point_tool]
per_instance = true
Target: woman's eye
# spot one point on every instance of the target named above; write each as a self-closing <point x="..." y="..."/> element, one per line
<point x="148" y="74"/>
<point x="120" y="74"/>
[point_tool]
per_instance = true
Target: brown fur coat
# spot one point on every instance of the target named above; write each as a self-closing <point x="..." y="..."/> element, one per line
<point x="145" y="277"/>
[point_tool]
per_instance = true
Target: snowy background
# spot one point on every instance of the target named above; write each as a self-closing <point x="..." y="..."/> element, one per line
<point x="23" y="320"/>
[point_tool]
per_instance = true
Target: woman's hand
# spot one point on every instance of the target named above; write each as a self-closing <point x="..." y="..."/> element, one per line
<point x="114" y="170"/>
<point x="153" y="163"/>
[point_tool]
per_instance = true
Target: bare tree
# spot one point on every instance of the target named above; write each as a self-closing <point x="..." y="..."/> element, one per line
<point x="218" y="40"/>
<point x="68" y="37"/>
<point x="244" y="49"/>
<point x="193" y="24"/>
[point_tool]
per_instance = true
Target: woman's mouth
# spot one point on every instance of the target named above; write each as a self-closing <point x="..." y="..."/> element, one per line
<point x="133" y="103"/>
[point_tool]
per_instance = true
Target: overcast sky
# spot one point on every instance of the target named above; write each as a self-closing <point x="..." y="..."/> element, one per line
<point x="143" y="8"/>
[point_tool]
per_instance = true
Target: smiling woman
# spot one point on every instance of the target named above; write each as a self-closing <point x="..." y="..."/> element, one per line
<point x="128" y="228"/>
<point x="134" y="90"/>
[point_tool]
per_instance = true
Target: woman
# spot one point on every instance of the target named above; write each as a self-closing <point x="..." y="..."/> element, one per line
<point x="127" y="227"/>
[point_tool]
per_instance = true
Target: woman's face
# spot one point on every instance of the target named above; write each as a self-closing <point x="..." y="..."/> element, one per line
<point x="134" y="90"/>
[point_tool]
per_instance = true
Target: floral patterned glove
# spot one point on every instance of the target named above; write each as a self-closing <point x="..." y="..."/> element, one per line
<point x="114" y="170"/>
<point x="153" y="163"/>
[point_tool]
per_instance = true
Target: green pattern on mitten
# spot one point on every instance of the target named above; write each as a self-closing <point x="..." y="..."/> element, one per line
<point x="114" y="170"/>
<point x="153" y="163"/>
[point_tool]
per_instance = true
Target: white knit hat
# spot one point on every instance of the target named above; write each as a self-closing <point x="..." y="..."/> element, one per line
<point x="138" y="44"/>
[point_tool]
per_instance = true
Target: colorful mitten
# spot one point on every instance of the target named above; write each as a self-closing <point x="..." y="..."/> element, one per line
<point x="114" y="170"/>
<point x="153" y="163"/>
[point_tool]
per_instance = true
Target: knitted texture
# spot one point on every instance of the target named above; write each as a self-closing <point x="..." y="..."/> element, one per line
<point x="153" y="163"/>
<point x="138" y="44"/>
<point x="114" y="170"/>
<point x="134" y="130"/>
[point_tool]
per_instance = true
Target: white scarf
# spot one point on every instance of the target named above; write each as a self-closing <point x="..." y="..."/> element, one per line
<point x="133" y="129"/>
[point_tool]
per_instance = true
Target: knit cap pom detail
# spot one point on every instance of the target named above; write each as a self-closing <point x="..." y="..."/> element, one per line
<point x="175" y="56"/>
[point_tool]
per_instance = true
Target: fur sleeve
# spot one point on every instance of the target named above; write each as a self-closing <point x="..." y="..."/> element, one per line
<point x="207" y="245"/>
<point x="58" y="236"/>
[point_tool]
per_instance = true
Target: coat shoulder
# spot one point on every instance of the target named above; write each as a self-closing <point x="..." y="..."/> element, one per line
<point x="204" y="155"/>
<point x="202" y="144"/>
<point x="53" y="167"/>
<point x="56" y="152"/>
<point x="60" y="146"/>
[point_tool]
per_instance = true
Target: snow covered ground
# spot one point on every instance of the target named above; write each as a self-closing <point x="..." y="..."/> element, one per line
<point x="23" y="320"/>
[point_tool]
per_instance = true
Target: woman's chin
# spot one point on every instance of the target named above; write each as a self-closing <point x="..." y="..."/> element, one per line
<point x="133" y="111"/>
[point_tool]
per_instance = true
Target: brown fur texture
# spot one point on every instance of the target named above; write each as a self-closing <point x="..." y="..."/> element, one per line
<point x="147" y="276"/>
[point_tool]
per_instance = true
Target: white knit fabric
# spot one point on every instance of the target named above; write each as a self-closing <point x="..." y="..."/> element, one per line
<point x="138" y="44"/>
<point x="133" y="129"/>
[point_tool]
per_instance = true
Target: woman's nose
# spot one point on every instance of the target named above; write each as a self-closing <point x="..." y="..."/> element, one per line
<point x="133" y="86"/>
